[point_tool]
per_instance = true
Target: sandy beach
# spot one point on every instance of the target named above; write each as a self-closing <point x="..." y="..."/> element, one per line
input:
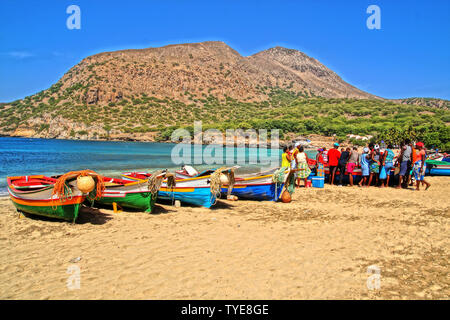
<point x="319" y="246"/>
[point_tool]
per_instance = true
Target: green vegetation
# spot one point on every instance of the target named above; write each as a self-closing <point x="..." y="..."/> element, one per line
<point x="292" y="112"/>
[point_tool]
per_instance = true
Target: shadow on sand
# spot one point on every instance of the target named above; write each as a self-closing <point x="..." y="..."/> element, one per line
<point x="92" y="216"/>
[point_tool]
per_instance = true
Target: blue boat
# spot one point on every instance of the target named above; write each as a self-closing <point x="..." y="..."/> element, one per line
<point x="437" y="168"/>
<point x="194" y="191"/>
<point x="255" y="187"/>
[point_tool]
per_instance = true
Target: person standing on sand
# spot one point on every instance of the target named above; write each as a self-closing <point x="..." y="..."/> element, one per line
<point x="351" y="164"/>
<point x="325" y="155"/>
<point x="343" y="159"/>
<point x="405" y="164"/>
<point x="319" y="163"/>
<point x="387" y="161"/>
<point x="333" y="160"/>
<point x="290" y="151"/>
<point x="302" y="166"/>
<point x="286" y="158"/>
<point x="294" y="164"/>
<point x="375" y="163"/>
<point x="419" y="166"/>
<point x="365" y="162"/>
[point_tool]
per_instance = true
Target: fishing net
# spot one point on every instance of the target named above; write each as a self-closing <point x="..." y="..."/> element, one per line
<point x="216" y="183"/>
<point x="156" y="179"/>
<point x="279" y="177"/>
<point x="64" y="192"/>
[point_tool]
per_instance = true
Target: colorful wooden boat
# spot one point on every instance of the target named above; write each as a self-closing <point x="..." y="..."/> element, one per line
<point x="196" y="191"/>
<point x="253" y="186"/>
<point x="35" y="195"/>
<point x="357" y="174"/>
<point x="437" y="168"/>
<point x="193" y="190"/>
<point x="127" y="194"/>
<point x="187" y="172"/>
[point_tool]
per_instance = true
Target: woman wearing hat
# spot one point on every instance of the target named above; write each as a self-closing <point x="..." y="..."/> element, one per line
<point x="419" y="166"/>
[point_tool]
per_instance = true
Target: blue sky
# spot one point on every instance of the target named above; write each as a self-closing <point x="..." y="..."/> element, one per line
<point x="409" y="56"/>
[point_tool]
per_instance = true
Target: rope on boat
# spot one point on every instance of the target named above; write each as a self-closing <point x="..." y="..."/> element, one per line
<point x="171" y="184"/>
<point x="232" y="181"/>
<point x="171" y="181"/>
<point x="155" y="180"/>
<point x="216" y="184"/>
<point x="64" y="192"/>
<point x="279" y="177"/>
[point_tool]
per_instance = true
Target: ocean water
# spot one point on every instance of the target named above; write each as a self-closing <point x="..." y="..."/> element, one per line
<point x="23" y="156"/>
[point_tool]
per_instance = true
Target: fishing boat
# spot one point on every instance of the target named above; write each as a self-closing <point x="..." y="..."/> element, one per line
<point x="54" y="197"/>
<point x="187" y="172"/>
<point x="439" y="157"/>
<point x="200" y="191"/>
<point x="437" y="168"/>
<point x="252" y="186"/>
<point x="256" y="187"/>
<point x="137" y="195"/>
<point x="357" y="174"/>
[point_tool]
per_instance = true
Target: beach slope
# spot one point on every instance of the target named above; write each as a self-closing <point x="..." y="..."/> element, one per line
<point x="319" y="246"/>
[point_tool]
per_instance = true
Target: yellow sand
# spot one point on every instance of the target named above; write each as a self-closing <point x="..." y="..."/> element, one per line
<point x="318" y="246"/>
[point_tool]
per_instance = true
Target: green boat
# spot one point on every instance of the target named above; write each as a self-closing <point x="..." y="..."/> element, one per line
<point x="35" y="195"/>
<point x="128" y="194"/>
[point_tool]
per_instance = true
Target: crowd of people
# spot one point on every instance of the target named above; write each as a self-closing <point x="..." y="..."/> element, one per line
<point x="378" y="164"/>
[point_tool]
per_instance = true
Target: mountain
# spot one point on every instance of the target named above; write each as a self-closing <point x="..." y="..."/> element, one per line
<point x="137" y="94"/>
<point x="170" y="71"/>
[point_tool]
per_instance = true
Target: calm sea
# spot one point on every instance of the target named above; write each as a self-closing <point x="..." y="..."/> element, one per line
<point x="23" y="156"/>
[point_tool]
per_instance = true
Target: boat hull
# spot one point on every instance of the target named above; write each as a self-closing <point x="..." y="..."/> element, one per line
<point x="255" y="188"/>
<point x="129" y="195"/>
<point x="195" y="191"/>
<point x="41" y="202"/>
<point x="437" y="168"/>
<point x="357" y="175"/>
<point x="440" y="172"/>
<point x="195" y="196"/>
<point x="66" y="211"/>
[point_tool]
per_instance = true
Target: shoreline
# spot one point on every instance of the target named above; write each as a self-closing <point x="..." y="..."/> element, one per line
<point x="246" y="145"/>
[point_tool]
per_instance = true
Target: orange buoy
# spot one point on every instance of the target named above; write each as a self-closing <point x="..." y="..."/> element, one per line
<point x="286" y="197"/>
<point x="85" y="184"/>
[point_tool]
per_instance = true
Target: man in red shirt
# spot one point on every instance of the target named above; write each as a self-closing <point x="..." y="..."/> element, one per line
<point x="333" y="160"/>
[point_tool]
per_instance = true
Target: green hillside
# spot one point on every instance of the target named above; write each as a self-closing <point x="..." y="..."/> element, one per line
<point x="285" y="110"/>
